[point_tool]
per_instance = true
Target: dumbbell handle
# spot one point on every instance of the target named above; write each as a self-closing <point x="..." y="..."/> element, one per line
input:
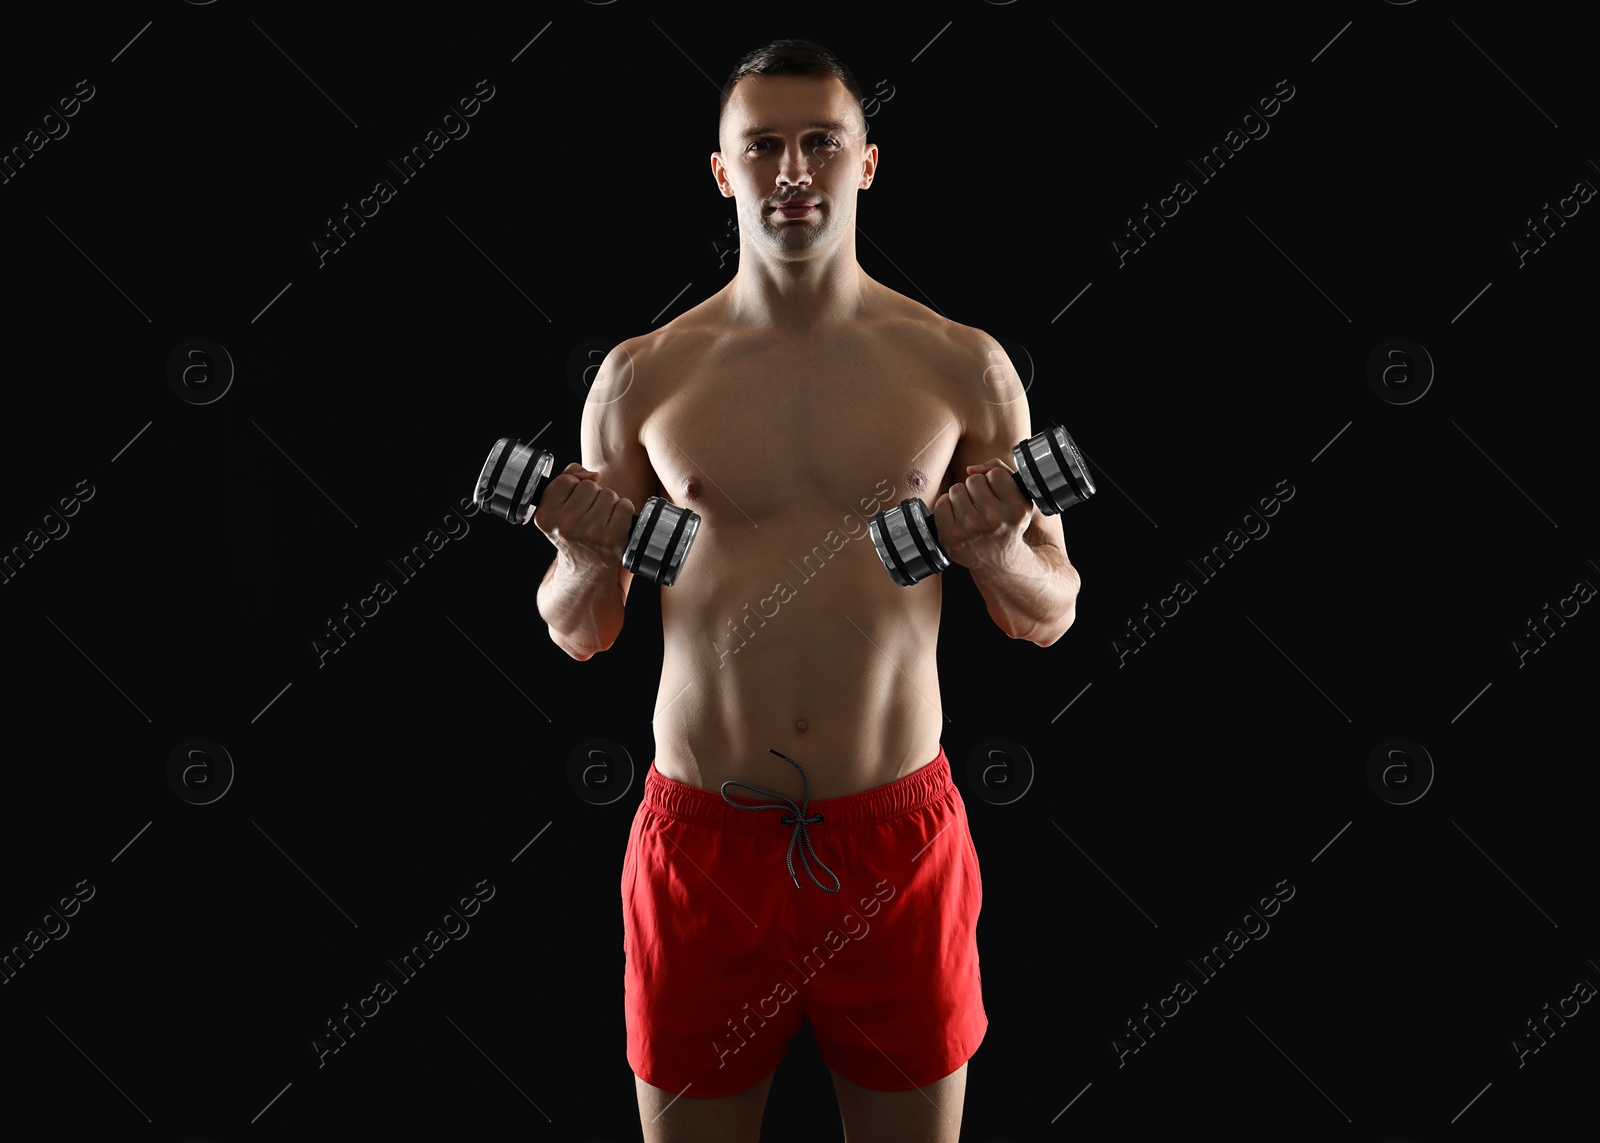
<point x="912" y="504"/>
<point x="905" y="535"/>
<point x="652" y="551"/>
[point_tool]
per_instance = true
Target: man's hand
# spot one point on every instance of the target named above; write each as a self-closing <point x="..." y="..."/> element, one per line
<point x="980" y="523"/>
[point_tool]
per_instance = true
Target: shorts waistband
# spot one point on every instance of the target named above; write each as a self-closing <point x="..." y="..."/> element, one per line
<point x="924" y="786"/>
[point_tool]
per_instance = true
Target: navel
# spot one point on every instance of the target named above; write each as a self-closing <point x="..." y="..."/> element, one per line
<point x="800" y="726"/>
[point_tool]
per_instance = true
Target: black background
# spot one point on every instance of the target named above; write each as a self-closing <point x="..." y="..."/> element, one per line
<point x="1229" y="754"/>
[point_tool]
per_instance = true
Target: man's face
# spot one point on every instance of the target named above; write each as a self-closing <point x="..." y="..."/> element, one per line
<point x="796" y="139"/>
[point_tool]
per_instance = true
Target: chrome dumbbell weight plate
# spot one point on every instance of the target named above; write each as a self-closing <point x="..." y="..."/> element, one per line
<point x="660" y="541"/>
<point x="1049" y="471"/>
<point x="512" y="478"/>
<point x="516" y="474"/>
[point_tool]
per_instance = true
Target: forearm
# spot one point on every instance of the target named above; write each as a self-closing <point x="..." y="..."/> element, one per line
<point x="1032" y="596"/>
<point x="582" y="605"/>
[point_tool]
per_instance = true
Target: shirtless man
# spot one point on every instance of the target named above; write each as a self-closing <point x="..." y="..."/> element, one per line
<point x="786" y="409"/>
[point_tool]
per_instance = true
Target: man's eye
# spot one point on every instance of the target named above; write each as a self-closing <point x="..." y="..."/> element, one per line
<point x="823" y="138"/>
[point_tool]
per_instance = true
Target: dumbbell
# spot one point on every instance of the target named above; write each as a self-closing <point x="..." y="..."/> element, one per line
<point x="516" y="475"/>
<point x="1050" y="472"/>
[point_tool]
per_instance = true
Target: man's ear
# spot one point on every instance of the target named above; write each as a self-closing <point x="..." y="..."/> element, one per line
<point x="721" y="180"/>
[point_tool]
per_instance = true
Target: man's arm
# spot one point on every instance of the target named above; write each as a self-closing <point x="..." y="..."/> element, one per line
<point x="584" y="606"/>
<point x="1016" y="554"/>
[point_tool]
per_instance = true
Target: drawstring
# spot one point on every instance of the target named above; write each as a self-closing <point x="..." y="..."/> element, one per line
<point x="798" y="819"/>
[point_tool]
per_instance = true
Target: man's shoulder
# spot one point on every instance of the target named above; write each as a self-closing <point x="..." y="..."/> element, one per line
<point x="961" y="354"/>
<point x="932" y="328"/>
<point x="661" y="352"/>
<point x="688" y="331"/>
<point x="965" y="342"/>
<point x="914" y="326"/>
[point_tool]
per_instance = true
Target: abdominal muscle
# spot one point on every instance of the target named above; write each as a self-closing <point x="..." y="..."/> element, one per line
<point x="831" y="663"/>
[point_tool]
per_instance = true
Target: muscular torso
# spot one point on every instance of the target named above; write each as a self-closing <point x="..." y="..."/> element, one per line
<point x="784" y="629"/>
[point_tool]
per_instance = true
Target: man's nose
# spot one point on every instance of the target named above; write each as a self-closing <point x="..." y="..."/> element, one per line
<point x="795" y="167"/>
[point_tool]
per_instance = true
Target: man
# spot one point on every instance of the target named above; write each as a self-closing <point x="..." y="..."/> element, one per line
<point x="786" y="409"/>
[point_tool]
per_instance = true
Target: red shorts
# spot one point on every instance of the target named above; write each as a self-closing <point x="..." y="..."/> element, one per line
<point x="724" y="956"/>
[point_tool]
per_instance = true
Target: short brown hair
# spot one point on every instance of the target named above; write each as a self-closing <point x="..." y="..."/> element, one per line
<point x="793" y="57"/>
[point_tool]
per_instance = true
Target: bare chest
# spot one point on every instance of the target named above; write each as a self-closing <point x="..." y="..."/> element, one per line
<point x="752" y="431"/>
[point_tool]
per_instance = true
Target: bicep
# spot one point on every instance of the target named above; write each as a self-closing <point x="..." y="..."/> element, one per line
<point x="992" y="427"/>
<point x="610" y="438"/>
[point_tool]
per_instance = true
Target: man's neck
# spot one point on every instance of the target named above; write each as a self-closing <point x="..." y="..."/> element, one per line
<point x="799" y="303"/>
